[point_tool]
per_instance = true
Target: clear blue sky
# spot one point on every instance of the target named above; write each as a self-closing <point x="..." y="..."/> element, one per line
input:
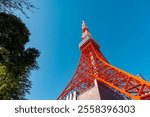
<point x="121" y="27"/>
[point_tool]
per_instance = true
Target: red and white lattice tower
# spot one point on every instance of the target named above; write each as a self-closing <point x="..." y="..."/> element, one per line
<point x="96" y="78"/>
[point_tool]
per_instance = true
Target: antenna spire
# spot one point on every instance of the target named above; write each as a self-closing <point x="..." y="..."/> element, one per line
<point x="85" y="32"/>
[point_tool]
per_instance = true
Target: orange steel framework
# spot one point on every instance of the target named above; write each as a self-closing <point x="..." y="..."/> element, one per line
<point x="93" y="65"/>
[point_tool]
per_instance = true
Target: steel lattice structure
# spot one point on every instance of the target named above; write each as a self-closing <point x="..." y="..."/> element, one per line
<point x="93" y="65"/>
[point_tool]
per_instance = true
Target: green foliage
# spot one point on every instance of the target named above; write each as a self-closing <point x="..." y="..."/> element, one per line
<point x="16" y="61"/>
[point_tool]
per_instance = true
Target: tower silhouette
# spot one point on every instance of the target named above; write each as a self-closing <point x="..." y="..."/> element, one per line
<point x="96" y="78"/>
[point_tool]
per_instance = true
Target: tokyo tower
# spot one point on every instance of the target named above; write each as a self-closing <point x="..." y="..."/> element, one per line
<point x="96" y="79"/>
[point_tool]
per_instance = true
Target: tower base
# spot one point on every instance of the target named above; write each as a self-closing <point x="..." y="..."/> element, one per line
<point x="100" y="92"/>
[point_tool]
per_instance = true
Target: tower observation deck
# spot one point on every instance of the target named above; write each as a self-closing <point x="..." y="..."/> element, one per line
<point x="96" y="79"/>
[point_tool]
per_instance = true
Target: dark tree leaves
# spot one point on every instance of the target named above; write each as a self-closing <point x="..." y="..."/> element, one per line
<point x="16" y="61"/>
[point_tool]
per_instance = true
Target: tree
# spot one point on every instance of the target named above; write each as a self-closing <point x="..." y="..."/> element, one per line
<point x="16" y="61"/>
<point x="9" y="6"/>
